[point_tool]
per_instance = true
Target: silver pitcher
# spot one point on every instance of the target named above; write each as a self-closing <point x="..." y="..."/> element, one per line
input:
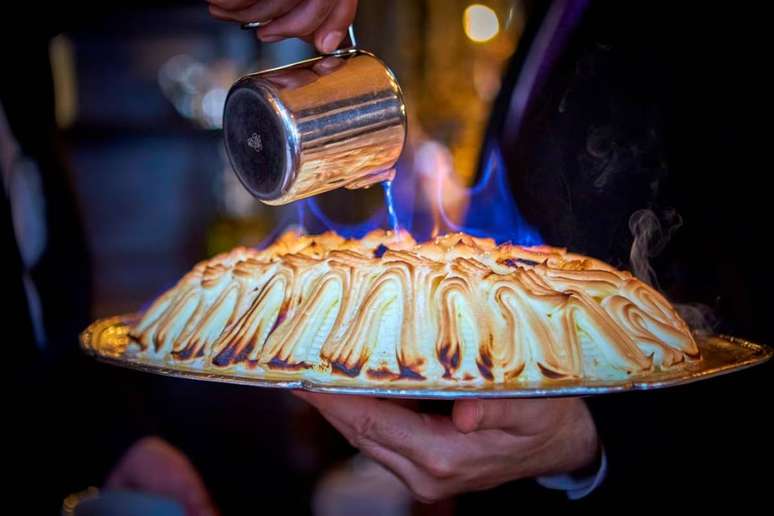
<point x="310" y="127"/>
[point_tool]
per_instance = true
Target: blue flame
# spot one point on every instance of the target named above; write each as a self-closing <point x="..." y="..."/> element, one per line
<point x="393" y="215"/>
<point x="491" y="212"/>
<point x="320" y="221"/>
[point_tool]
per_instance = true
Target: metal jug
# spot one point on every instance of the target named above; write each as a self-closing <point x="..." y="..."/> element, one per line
<point x="296" y="131"/>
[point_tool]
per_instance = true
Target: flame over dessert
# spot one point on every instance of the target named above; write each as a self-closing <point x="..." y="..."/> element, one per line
<point x="456" y="309"/>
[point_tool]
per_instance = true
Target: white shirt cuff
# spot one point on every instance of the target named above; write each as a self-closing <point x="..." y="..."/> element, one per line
<point x="576" y="487"/>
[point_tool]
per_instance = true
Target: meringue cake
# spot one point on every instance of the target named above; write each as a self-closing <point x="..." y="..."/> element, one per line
<point x="386" y="309"/>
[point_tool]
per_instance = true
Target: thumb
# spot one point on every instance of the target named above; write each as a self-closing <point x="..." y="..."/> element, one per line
<point x="329" y="35"/>
<point x="520" y="416"/>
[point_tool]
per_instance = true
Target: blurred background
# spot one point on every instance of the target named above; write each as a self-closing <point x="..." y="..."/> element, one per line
<point x="139" y="100"/>
<point x="139" y="89"/>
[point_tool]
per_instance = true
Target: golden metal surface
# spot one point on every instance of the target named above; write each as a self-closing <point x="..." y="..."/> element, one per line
<point x="108" y="340"/>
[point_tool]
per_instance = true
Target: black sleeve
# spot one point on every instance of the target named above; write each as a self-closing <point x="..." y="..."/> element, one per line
<point x="653" y="105"/>
<point x="67" y="417"/>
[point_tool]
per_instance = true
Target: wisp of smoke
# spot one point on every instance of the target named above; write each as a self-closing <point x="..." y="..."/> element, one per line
<point x="699" y="317"/>
<point x="650" y="239"/>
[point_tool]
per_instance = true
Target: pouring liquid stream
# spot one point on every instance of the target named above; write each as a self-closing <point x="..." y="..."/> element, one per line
<point x="393" y="218"/>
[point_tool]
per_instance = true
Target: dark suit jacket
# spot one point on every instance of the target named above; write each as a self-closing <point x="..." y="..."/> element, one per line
<point x="67" y="419"/>
<point x="651" y="105"/>
<point x="648" y="106"/>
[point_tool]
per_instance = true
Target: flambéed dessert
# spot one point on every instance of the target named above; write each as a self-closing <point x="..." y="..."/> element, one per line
<point x="457" y="309"/>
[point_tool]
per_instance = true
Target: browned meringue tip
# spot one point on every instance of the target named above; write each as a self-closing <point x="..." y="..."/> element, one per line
<point x="384" y="308"/>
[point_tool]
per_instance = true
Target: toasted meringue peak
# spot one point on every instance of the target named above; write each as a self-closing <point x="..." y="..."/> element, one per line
<point x="456" y="309"/>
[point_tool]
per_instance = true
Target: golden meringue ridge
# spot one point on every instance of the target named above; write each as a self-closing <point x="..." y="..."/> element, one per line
<point x="456" y="309"/>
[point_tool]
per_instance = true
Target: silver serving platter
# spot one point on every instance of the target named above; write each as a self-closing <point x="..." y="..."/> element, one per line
<point x="108" y="340"/>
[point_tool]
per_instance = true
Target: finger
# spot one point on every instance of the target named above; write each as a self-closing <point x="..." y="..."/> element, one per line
<point x="363" y="418"/>
<point x="524" y="416"/>
<point x="264" y="10"/>
<point x="424" y="482"/>
<point x="303" y="20"/>
<point x="233" y="5"/>
<point x="424" y="487"/>
<point x="330" y="34"/>
<point x="426" y="440"/>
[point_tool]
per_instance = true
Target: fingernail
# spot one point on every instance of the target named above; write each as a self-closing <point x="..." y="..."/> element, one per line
<point x="331" y="41"/>
<point x="270" y="39"/>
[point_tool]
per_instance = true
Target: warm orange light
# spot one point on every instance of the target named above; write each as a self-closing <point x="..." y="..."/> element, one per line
<point x="480" y="23"/>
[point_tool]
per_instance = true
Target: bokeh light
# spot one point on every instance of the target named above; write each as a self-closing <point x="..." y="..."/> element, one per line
<point x="480" y="23"/>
